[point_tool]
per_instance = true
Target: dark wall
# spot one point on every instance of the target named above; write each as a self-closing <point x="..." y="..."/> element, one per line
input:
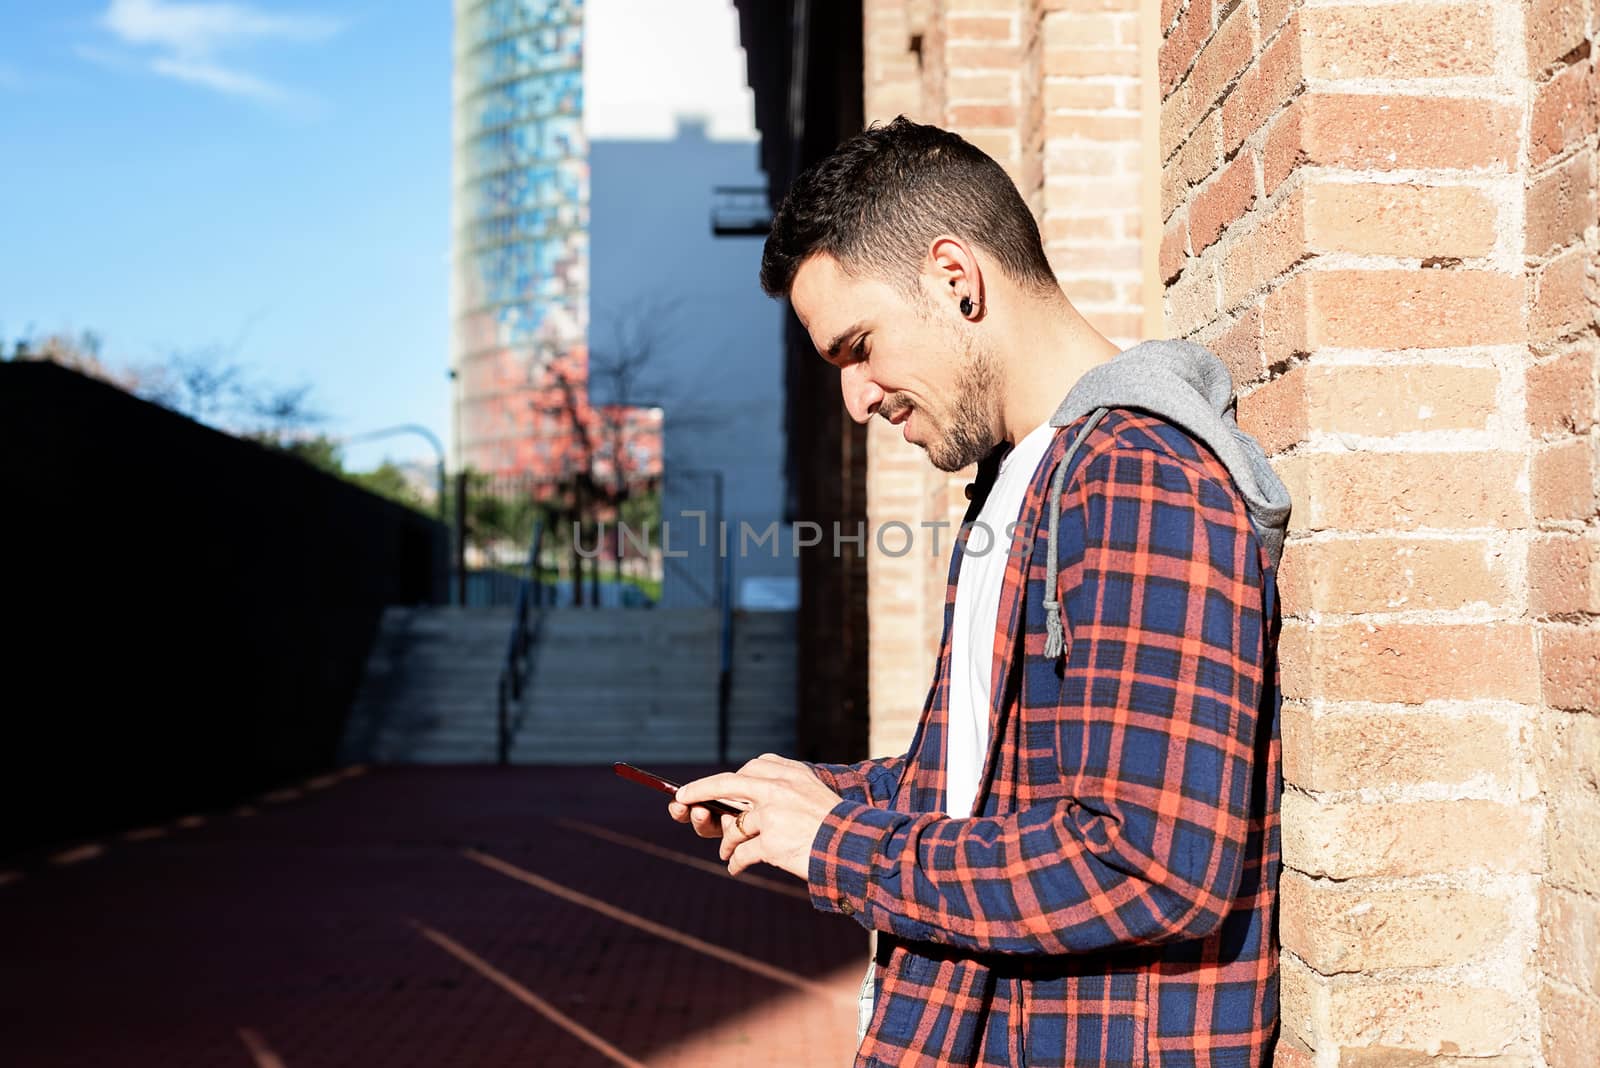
<point x="810" y="54"/>
<point x="183" y="615"/>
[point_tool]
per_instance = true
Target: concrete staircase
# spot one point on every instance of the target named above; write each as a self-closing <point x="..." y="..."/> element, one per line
<point x="607" y="684"/>
<point x="428" y="694"/>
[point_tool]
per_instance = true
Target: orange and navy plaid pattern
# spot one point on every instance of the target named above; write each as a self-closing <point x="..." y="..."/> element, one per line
<point x="1112" y="901"/>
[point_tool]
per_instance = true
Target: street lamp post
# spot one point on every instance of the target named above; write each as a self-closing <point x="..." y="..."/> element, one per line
<point x="420" y="431"/>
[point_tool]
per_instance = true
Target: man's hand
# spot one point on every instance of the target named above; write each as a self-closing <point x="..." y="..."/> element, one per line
<point x="787" y="806"/>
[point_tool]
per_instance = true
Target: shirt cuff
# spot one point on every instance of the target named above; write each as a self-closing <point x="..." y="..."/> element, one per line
<point x="842" y="856"/>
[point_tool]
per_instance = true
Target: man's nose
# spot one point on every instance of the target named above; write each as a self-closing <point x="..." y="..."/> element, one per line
<point x="862" y="395"/>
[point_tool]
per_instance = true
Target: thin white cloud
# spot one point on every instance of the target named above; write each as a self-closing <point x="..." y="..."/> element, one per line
<point x="200" y="29"/>
<point x="188" y="40"/>
<point x="212" y="76"/>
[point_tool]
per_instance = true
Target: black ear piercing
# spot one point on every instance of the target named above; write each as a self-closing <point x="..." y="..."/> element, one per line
<point x="966" y="306"/>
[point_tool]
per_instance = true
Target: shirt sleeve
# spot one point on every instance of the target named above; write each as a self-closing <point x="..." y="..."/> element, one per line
<point x="870" y="782"/>
<point x="1155" y="735"/>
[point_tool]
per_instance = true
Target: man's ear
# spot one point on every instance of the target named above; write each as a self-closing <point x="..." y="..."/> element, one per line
<point x="954" y="270"/>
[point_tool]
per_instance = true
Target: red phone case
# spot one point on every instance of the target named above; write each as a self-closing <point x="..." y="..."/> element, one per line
<point x="666" y="786"/>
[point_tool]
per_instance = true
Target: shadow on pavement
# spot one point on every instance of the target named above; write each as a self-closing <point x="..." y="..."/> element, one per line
<point x="421" y="916"/>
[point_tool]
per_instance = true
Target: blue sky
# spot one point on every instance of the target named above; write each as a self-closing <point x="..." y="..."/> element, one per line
<point x="273" y="178"/>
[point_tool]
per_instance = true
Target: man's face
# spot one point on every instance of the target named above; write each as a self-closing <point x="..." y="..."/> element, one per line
<point x="903" y="358"/>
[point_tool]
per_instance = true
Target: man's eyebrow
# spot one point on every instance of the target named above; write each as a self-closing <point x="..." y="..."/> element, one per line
<point x="844" y="335"/>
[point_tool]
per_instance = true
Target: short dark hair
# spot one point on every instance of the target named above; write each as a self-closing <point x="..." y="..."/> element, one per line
<point x="884" y="194"/>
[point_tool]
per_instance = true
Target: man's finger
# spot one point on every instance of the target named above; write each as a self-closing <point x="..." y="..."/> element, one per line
<point x="733" y="835"/>
<point x="706" y="822"/>
<point x="745" y="854"/>
<point x="727" y="786"/>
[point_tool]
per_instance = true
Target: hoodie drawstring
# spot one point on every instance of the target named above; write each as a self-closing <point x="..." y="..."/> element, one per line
<point x="1055" y="629"/>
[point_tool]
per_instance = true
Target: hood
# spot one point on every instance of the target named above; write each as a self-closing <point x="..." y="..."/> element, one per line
<point x="1185" y="384"/>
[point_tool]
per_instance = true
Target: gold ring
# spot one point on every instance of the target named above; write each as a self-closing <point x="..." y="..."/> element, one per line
<point x="738" y="821"/>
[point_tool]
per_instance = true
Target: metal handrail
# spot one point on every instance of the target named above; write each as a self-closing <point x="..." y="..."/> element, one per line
<point x="519" y="647"/>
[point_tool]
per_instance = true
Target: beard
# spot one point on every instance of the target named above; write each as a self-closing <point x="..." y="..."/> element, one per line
<point x="968" y="433"/>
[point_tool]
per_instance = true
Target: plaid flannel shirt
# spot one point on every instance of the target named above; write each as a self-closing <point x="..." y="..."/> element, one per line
<point x="1112" y="901"/>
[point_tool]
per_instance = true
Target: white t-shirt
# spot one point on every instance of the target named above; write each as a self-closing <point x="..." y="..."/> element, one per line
<point x="977" y="610"/>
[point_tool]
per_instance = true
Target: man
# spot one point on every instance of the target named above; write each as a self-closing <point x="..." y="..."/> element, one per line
<point x="1076" y="861"/>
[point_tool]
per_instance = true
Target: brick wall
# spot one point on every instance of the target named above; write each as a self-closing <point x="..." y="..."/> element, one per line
<point x="1381" y="217"/>
<point x="1052" y="89"/>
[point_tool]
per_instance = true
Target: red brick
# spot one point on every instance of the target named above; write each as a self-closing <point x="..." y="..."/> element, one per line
<point x="1385" y="219"/>
<point x="1388" y="491"/>
<point x="1560" y="205"/>
<point x="983" y="57"/>
<point x="1098" y="260"/>
<point x="1569" y="662"/>
<point x="1223" y="199"/>
<point x="1264" y="88"/>
<point x="1289" y="1055"/>
<point x="1559" y="294"/>
<point x="1284" y="326"/>
<point x="1238" y="345"/>
<point x="1399" y="41"/>
<point x="1174" y="248"/>
<point x="1389" y="574"/>
<point x="979" y="116"/>
<point x="1352" y="839"/>
<point x="1270" y="248"/>
<point x="1563" y="477"/>
<point x="1173" y="189"/>
<point x="1086" y="61"/>
<point x="1224" y="57"/>
<point x="1568" y="1022"/>
<point x="1077" y="6"/>
<point x="1397" y="399"/>
<point x="1275" y="412"/>
<point x="1273" y="12"/>
<point x="1355" y="927"/>
<point x="987" y="88"/>
<point x="1199" y="158"/>
<point x="1080" y="30"/>
<point x="1075" y="94"/>
<point x="1414" y="309"/>
<point x="1076" y="228"/>
<point x="1383" y="131"/>
<point x="1091" y="160"/>
<point x="1192" y="299"/>
<point x="1561" y="393"/>
<point x="1178" y="117"/>
<point x="1284" y="149"/>
<point x="1564" y="573"/>
<point x="987" y="28"/>
<point x="1180" y="47"/>
<point x="1194" y="164"/>
<point x="1555" y="29"/>
<point x="1564" y="112"/>
<point x="1569" y="923"/>
<point x="1093" y="127"/>
<point x="1423" y="1015"/>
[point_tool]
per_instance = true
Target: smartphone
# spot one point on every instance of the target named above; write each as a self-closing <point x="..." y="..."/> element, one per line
<point x="667" y="786"/>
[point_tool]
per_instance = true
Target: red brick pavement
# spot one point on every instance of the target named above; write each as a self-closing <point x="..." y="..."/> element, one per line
<point x="388" y="920"/>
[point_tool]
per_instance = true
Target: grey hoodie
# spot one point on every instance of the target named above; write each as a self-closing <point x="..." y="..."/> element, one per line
<point x="1185" y="384"/>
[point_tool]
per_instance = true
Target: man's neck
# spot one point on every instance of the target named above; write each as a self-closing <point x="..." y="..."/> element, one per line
<point x="1044" y="353"/>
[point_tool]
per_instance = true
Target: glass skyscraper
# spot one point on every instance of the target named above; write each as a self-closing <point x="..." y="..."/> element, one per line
<point x="520" y="234"/>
